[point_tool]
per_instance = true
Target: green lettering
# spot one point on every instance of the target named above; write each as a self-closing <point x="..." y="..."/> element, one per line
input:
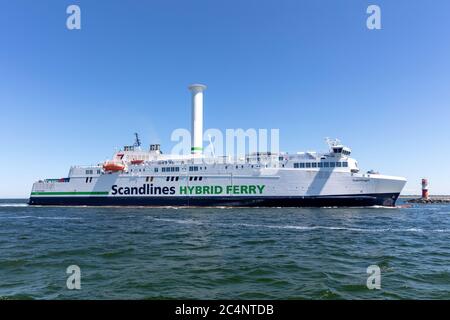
<point x="218" y="189"/>
<point x="260" y="188"/>
<point x="252" y="189"/>
<point x="183" y="190"/>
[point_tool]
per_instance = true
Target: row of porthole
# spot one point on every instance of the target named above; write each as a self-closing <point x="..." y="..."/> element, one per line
<point x="195" y="168"/>
<point x="175" y="178"/>
<point x="192" y="178"/>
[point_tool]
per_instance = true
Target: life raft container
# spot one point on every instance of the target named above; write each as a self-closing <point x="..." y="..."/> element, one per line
<point x="113" y="166"/>
<point x="137" y="161"/>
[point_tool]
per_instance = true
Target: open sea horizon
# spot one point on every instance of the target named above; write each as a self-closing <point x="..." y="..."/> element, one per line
<point x="224" y="253"/>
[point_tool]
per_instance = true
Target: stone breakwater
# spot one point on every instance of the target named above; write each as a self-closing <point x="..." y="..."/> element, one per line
<point x="432" y="200"/>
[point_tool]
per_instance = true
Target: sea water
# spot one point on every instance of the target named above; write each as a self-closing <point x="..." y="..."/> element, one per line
<point x="224" y="253"/>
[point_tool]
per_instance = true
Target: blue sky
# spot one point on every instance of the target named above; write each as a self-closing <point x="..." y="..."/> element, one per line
<point x="310" y="68"/>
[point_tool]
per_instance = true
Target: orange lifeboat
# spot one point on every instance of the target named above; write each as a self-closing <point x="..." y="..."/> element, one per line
<point x="137" y="161"/>
<point x="113" y="166"/>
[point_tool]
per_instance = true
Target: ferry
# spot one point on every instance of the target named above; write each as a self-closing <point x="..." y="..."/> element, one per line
<point x="138" y="177"/>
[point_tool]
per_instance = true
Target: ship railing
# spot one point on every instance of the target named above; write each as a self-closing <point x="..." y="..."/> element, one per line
<point x="86" y="166"/>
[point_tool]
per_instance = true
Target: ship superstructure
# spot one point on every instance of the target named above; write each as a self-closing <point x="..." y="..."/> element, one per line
<point x="139" y="177"/>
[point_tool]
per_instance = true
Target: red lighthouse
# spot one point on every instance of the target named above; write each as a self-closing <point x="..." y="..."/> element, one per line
<point x="425" y="189"/>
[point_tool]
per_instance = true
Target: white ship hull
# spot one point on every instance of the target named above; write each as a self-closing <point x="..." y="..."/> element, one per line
<point x="262" y="187"/>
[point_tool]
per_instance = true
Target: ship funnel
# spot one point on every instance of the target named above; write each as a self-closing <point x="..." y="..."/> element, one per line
<point x="197" y="118"/>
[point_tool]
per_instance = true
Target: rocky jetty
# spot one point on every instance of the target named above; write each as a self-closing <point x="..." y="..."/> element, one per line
<point x="431" y="200"/>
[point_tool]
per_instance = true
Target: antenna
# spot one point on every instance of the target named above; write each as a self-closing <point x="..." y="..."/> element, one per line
<point x="137" y="141"/>
<point x="332" y="142"/>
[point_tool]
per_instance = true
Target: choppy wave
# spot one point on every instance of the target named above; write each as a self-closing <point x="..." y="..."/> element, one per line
<point x="308" y="228"/>
<point x="40" y="217"/>
<point x="12" y="205"/>
<point x="239" y="253"/>
<point x="182" y="221"/>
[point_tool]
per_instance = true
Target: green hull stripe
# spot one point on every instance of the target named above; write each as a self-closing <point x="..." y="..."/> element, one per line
<point x="196" y="148"/>
<point x="70" y="193"/>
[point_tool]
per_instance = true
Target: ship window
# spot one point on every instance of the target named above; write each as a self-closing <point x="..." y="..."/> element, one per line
<point x="326" y="164"/>
<point x="314" y="164"/>
<point x="99" y="171"/>
<point x="345" y="164"/>
<point x="190" y="178"/>
<point x="167" y="178"/>
<point x="146" y="179"/>
<point x="163" y="169"/>
<point x="308" y="165"/>
<point x="332" y="164"/>
<point x="156" y="169"/>
<point x="320" y="164"/>
<point x="200" y="178"/>
<point x="295" y="165"/>
<point x="339" y="164"/>
<point x="87" y="180"/>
